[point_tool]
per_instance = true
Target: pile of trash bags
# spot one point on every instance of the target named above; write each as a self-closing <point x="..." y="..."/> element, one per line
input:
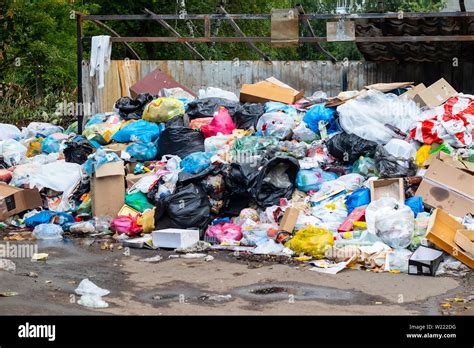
<point x="295" y="180"/>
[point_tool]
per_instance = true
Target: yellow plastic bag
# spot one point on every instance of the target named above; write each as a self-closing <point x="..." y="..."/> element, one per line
<point x="163" y="109"/>
<point x="101" y="132"/>
<point x="311" y="241"/>
<point x="34" y="147"/>
<point x="422" y="155"/>
<point x="147" y="220"/>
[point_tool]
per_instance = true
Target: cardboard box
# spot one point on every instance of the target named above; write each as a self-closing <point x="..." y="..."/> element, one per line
<point x="442" y="229"/>
<point x="174" y="238"/>
<point x="116" y="148"/>
<point x="356" y="215"/>
<point x="108" y="189"/>
<point x="154" y="82"/>
<point x="436" y="94"/>
<point x="289" y="219"/>
<point x="410" y="94"/>
<point x="387" y="188"/>
<point x="448" y="188"/>
<point x="131" y="179"/>
<point x="269" y="90"/>
<point x="14" y="200"/>
<point x="465" y="240"/>
<point x="446" y="158"/>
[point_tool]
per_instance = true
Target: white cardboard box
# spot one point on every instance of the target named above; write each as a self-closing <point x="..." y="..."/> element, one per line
<point x="174" y="238"/>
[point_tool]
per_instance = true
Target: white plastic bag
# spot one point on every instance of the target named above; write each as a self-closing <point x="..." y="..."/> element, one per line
<point x="392" y="221"/>
<point x="48" y="232"/>
<point x="9" y="131"/>
<point x="213" y="92"/>
<point x="303" y="133"/>
<point x="366" y="115"/>
<point x="397" y="260"/>
<point x="13" y="152"/>
<point x="401" y="149"/>
<point x="275" y="124"/>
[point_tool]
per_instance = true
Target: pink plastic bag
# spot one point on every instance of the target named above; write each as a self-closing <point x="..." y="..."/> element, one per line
<point x="221" y="123"/>
<point x="125" y="224"/>
<point x="226" y="231"/>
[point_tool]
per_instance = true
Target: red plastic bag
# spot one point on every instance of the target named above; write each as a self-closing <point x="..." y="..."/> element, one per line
<point x="125" y="224"/>
<point x="225" y="231"/>
<point x="221" y="123"/>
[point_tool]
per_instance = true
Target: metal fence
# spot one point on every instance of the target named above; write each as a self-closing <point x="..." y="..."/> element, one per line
<point x="311" y="76"/>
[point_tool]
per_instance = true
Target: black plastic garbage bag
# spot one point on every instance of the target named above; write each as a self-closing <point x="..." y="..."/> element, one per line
<point x="208" y="107"/>
<point x="347" y="148"/>
<point x="275" y="180"/>
<point x="132" y="109"/>
<point x="180" y="141"/>
<point x="390" y="166"/>
<point x="238" y="180"/>
<point x="247" y="115"/>
<point x="77" y="150"/>
<point x="188" y="207"/>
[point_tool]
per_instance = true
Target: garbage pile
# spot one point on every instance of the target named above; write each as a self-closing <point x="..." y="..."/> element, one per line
<point x="378" y="179"/>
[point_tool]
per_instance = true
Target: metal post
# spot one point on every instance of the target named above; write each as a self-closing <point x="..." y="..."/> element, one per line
<point x="80" y="101"/>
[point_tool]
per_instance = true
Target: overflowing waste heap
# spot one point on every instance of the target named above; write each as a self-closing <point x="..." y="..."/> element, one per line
<point x="379" y="179"/>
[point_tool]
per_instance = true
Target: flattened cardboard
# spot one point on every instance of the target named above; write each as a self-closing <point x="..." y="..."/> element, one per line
<point x="465" y="240"/>
<point x="436" y="94"/>
<point x="108" y="189"/>
<point x="387" y="87"/>
<point x="14" y="200"/>
<point x="387" y="188"/>
<point x="410" y="94"/>
<point x="269" y="90"/>
<point x="154" y="82"/>
<point x="448" y="188"/>
<point x="442" y="230"/>
<point x="289" y="219"/>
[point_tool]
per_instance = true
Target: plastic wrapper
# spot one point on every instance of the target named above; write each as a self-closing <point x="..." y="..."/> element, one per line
<point x="142" y="151"/>
<point x="138" y="201"/>
<point x="163" y="109"/>
<point x="132" y="109"/>
<point x="125" y="225"/>
<point x="188" y="207"/>
<point x="221" y="123"/>
<point x="357" y="199"/>
<point x="275" y="124"/>
<point x="13" y="152"/>
<point x="246" y="117"/>
<point x="137" y="131"/>
<point x="275" y="180"/>
<point x="196" y="162"/>
<point x="303" y="133"/>
<point x="180" y="141"/>
<point x="352" y="181"/>
<point x="390" y="220"/>
<point x="311" y="241"/>
<point x="311" y="179"/>
<point x="389" y="166"/>
<point x="320" y="116"/>
<point x="208" y="107"/>
<point x="225" y="232"/>
<point x="364" y="166"/>
<point x="347" y="148"/>
<point x="77" y="150"/>
<point x="366" y="115"/>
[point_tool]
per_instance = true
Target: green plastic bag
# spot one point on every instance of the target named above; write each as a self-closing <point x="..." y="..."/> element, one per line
<point x="138" y="201"/>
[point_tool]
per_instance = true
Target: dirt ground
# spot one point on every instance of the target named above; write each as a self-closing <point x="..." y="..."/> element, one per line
<point x="226" y="285"/>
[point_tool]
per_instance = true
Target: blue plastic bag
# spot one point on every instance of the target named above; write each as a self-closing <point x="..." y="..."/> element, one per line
<point x="277" y="106"/>
<point x="311" y="179"/>
<point x="142" y="151"/>
<point x="48" y="216"/>
<point x="196" y="162"/>
<point x="357" y="198"/>
<point x="50" y="144"/>
<point x="140" y="130"/>
<point x="99" y="158"/>
<point x="416" y="204"/>
<point x="321" y="113"/>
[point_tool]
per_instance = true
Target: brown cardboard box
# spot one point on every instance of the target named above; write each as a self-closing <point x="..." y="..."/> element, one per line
<point x="269" y="90"/>
<point x="289" y="219"/>
<point x="387" y="188"/>
<point x="117" y="148"/>
<point x="410" y="94"/>
<point x="465" y="240"/>
<point x="448" y="188"/>
<point x="442" y="230"/>
<point x="108" y="189"/>
<point x="442" y="156"/>
<point x="14" y="200"/>
<point x="436" y="94"/>
<point x="132" y="179"/>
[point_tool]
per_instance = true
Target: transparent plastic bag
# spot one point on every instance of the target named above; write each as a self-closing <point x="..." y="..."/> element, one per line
<point x="48" y="232"/>
<point x="312" y="179"/>
<point x="364" y="166"/>
<point x="213" y="92"/>
<point x="303" y="133"/>
<point x="275" y="124"/>
<point x="13" y="152"/>
<point x="163" y="109"/>
<point x="196" y="162"/>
